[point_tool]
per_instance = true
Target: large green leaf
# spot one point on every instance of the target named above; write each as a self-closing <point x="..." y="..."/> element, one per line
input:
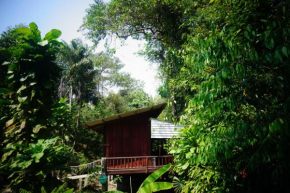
<point x="155" y="186"/>
<point x="37" y="156"/>
<point x="33" y="26"/>
<point x="24" y="30"/>
<point x="155" y="175"/>
<point x="53" y="34"/>
<point x="284" y="51"/>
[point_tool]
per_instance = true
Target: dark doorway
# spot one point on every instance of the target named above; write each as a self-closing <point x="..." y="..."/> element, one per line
<point x="158" y="147"/>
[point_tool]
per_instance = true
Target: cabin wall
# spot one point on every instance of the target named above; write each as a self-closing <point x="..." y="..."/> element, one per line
<point x="128" y="137"/>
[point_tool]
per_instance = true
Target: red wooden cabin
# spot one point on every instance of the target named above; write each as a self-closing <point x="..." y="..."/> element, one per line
<point x="127" y="141"/>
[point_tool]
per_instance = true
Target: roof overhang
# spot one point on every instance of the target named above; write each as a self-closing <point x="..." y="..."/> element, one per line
<point x="98" y="125"/>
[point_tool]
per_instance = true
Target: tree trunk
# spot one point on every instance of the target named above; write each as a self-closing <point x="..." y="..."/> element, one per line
<point x="79" y="108"/>
<point x="70" y="96"/>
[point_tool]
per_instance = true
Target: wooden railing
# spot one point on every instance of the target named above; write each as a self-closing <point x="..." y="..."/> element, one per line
<point x="136" y="164"/>
<point x="85" y="168"/>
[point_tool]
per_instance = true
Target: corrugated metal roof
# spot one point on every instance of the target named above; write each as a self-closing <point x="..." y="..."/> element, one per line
<point x="162" y="129"/>
<point x="98" y="124"/>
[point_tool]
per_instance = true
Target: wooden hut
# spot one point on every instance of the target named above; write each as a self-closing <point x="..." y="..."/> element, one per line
<point x="128" y="138"/>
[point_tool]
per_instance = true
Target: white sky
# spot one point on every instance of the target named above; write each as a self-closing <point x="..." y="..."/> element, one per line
<point x="67" y="16"/>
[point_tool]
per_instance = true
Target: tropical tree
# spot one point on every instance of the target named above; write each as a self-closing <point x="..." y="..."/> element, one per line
<point x="31" y="150"/>
<point x="108" y="68"/>
<point x="7" y="39"/>
<point x="77" y="82"/>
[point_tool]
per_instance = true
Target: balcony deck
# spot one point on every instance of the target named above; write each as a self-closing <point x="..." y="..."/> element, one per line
<point x="136" y="164"/>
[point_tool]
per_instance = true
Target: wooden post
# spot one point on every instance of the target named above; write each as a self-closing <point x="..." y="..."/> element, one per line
<point x="86" y="182"/>
<point x="80" y="184"/>
<point x="147" y="165"/>
<point x="104" y="172"/>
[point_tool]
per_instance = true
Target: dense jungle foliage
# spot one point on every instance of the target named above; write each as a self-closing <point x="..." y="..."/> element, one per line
<point x="48" y="89"/>
<point x="225" y="67"/>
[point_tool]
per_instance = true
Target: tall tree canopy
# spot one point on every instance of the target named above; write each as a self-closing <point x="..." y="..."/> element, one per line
<point x="161" y="23"/>
<point x="77" y="81"/>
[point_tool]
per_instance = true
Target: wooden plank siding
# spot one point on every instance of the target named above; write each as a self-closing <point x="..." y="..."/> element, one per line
<point x="128" y="136"/>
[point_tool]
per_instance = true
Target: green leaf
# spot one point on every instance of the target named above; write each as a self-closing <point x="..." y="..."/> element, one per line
<point x="284" y="51"/>
<point x="155" y="175"/>
<point x="53" y="34"/>
<point x="37" y="156"/>
<point x="40" y="173"/>
<point x="188" y="155"/>
<point x="24" y="30"/>
<point x="263" y="20"/>
<point x="12" y="67"/>
<point x="33" y="26"/>
<point x="10" y="122"/>
<point x="43" y="190"/>
<point x="278" y="56"/>
<point x="23" y="79"/>
<point x="5" y="63"/>
<point x="21" y="89"/>
<point x="37" y="128"/>
<point x="10" y="77"/>
<point x="172" y="152"/>
<point x="5" y="155"/>
<point x="22" y="99"/>
<point x="275" y="126"/>
<point x="23" y="124"/>
<point x="185" y="166"/>
<point x="25" y="164"/>
<point x="155" y="186"/>
<point x="272" y="43"/>
<point x="69" y="191"/>
<point x="247" y="35"/>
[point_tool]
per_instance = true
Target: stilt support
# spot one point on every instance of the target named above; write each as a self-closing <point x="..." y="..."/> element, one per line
<point x="104" y="173"/>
